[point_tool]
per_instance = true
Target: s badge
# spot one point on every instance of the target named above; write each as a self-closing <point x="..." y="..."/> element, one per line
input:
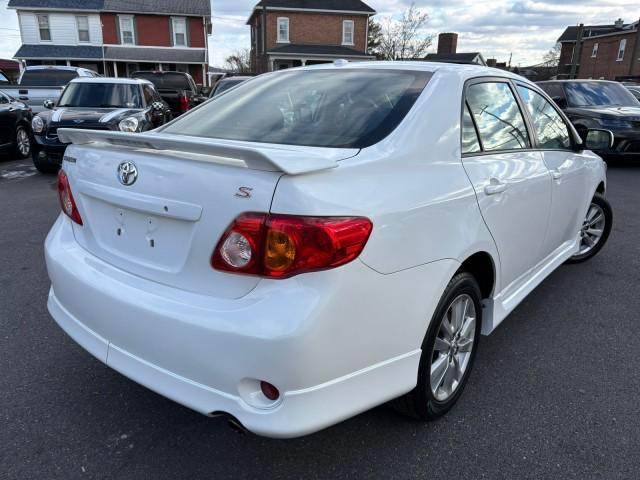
<point x="244" y="192"/>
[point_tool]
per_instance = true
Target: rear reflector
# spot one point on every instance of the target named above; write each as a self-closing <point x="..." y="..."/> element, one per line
<point x="184" y="103"/>
<point x="67" y="202"/>
<point x="280" y="246"/>
<point x="269" y="391"/>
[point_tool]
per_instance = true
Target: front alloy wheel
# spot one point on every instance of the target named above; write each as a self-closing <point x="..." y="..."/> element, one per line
<point x="595" y="229"/>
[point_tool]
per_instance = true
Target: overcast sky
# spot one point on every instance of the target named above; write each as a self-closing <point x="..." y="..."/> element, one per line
<point x="496" y="28"/>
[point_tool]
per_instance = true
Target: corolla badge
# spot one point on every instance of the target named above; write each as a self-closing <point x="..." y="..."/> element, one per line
<point x="127" y="173"/>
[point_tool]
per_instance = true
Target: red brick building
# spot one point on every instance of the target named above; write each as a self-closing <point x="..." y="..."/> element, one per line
<point x="116" y="37"/>
<point x="291" y="33"/>
<point x="609" y="52"/>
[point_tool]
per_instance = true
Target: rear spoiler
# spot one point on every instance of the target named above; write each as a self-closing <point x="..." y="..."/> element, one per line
<point x="291" y="161"/>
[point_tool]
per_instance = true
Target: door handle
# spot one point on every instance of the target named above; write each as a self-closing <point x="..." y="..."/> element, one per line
<point x="556" y="174"/>
<point x="495" y="186"/>
<point x="23" y="98"/>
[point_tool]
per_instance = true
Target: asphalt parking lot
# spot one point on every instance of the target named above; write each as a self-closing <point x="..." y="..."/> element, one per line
<point x="554" y="393"/>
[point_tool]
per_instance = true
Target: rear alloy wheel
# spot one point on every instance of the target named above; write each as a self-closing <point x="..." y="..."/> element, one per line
<point x="23" y="142"/>
<point x="448" y="351"/>
<point x="595" y="229"/>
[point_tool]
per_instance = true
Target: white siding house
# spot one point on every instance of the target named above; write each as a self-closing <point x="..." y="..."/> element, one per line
<point x="64" y="28"/>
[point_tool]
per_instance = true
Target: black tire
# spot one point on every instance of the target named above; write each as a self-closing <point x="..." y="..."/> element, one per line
<point x="605" y="207"/>
<point x="20" y="134"/>
<point x="44" y="165"/>
<point x="421" y="403"/>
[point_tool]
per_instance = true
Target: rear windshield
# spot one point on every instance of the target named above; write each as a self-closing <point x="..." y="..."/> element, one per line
<point x="587" y="94"/>
<point x="101" y="95"/>
<point x="324" y="108"/>
<point x="166" y="80"/>
<point x="47" y="78"/>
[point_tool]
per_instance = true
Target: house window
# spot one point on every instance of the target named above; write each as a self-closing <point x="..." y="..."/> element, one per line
<point x="347" y="32"/>
<point x="179" y="26"/>
<point x="594" y="52"/>
<point x="83" y="28"/>
<point x="283" y="30"/>
<point x="127" y="36"/>
<point x="43" y="26"/>
<point x="623" y="45"/>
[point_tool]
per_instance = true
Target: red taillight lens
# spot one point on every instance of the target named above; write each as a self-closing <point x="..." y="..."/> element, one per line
<point x="67" y="203"/>
<point x="280" y="246"/>
<point x="184" y="103"/>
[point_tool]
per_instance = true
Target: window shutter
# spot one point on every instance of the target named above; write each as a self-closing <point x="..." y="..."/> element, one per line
<point x="134" y="24"/>
<point x="171" y="40"/>
<point x="118" y="40"/>
<point x="187" y="31"/>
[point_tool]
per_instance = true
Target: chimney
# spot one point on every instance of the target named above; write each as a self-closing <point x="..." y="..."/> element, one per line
<point x="447" y="43"/>
<point x="619" y="24"/>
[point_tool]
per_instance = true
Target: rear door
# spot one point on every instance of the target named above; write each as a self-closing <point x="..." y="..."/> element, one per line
<point x="568" y="168"/>
<point x="511" y="181"/>
<point x="8" y="118"/>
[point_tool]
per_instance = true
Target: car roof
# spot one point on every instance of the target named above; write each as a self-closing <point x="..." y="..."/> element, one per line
<point x="55" y="67"/>
<point x="461" y="70"/>
<point x="123" y="81"/>
<point x="236" y="78"/>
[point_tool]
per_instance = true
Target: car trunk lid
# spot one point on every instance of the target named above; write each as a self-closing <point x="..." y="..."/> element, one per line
<point x="165" y="223"/>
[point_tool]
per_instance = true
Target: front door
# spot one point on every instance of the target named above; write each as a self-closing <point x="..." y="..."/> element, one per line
<point x="568" y="169"/>
<point x="511" y="180"/>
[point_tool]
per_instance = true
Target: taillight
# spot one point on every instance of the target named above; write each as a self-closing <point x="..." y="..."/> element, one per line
<point x="184" y="102"/>
<point x="67" y="203"/>
<point x="280" y="246"/>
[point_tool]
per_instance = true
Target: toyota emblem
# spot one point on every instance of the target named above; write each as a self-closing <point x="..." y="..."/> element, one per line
<point x="127" y="173"/>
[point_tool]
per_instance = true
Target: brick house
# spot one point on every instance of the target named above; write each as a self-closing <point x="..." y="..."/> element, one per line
<point x="116" y="37"/>
<point x="291" y="33"/>
<point x="609" y="52"/>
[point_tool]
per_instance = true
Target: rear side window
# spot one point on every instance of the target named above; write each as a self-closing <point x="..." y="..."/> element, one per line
<point x="554" y="90"/>
<point x="497" y="116"/>
<point x="470" y="142"/>
<point x="345" y="108"/>
<point x="47" y="78"/>
<point x="166" y="80"/>
<point x="549" y="126"/>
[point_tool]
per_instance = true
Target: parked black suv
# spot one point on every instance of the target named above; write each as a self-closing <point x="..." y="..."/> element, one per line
<point x="176" y="88"/>
<point x="604" y="105"/>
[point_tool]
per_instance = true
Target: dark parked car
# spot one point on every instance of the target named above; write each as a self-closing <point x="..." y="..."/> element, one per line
<point x="227" y="83"/>
<point x="15" y="126"/>
<point x="123" y="104"/>
<point x="600" y="104"/>
<point x="176" y="88"/>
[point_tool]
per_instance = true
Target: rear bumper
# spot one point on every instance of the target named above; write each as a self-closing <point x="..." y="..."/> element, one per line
<point x="329" y="359"/>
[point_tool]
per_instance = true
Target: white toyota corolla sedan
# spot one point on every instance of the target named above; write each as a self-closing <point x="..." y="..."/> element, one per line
<point x="319" y="241"/>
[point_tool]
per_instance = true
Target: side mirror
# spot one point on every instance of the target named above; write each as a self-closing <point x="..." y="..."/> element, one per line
<point x="560" y="101"/>
<point x="598" y="140"/>
<point x="48" y="104"/>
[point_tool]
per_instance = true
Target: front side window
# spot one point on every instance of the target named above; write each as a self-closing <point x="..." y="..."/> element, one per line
<point x="283" y="30"/>
<point x="470" y="142"/>
<point x="179" y="32"/>
<point x="320" y="108"/>
<point x="550" y="128"/>
<point x="347" y="32"/>
<point x="594" y="52"/>
<point x="126" y="30"/>
<point x="497" y="116"/>
<point x="43" y="27"/>
<point x="101" y="95"/>
<point x="621" y="48"/>
<point x="83" y="28"/>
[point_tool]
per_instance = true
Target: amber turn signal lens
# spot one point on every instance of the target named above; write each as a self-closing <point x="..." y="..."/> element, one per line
<point x="280" y="251"/>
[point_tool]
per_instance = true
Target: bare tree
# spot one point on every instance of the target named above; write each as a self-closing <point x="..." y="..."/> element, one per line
<point x="239" y="61"/>
<point x="552" y="57"/>
<point x="404" y="38"/>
